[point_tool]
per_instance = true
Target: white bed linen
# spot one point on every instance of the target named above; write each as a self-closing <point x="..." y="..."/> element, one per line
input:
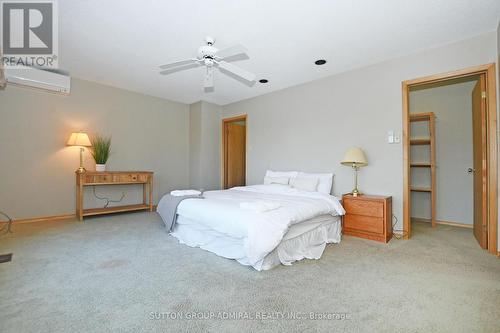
<point x="306" y="245"/>
<point x="306" y="239"/>
<point x="261" y="232"/>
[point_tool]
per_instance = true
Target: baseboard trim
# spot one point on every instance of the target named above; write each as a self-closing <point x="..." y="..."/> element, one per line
<point x="46" y="218"/>
<point x="454" y="224"/>
<point x="63" y="217"/>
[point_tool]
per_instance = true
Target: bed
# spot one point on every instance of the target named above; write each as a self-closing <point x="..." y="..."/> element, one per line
<point x="260" y="225"/>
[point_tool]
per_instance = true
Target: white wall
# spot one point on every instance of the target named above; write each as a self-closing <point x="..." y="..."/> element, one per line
<point x="195" y="145"/>
<point x="37" y="168"/>
<point x="452" y="105"/>
<point x="309" y="127"/>
<point x="305" y="127"/>
<point x="205" y="141"/>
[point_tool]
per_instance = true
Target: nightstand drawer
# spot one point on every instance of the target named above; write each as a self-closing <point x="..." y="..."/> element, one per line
<point x="131" y="178"/>
<point x="97" y="179"/>
<point x="364" y="207"/>
<point x="364" y="223"/>
<point x="109" y="178"/>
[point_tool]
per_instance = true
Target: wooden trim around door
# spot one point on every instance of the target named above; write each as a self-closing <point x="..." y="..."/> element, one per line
<point x="242" y="117"/>
<point x="492" y="150"/>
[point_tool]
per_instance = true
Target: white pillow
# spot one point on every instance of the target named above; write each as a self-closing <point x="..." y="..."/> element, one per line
<point x="289" y="174"/>
<point x="305" y="183"/>
<point x="325" y="180"/>
<point x="276" y="180"/>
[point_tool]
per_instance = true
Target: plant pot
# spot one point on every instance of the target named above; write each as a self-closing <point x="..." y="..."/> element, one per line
<point x="100" y="167"/>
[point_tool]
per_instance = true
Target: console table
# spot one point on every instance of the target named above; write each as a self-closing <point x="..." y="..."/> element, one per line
<point x="91" y="178"/>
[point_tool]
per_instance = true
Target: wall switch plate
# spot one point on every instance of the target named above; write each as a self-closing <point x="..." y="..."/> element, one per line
<point x="397" y="138"/>
<point x="390" y="137"/>
<point x="393" y="137"/>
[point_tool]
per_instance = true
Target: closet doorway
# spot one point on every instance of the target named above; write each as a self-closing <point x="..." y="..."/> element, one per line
<point x="483" y="170"/>
<point x="234" y="131"/>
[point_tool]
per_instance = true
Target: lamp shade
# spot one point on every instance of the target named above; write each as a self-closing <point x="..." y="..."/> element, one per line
<point x="354" y="156"/>
<point x="79" y="139"/>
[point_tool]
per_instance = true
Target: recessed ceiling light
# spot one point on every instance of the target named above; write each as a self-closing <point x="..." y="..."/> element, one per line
<point x="320" y="62"/>
<point x="263" y="81"/>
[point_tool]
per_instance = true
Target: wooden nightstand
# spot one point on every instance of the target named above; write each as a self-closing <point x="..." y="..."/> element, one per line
<point x="368" y="216"/>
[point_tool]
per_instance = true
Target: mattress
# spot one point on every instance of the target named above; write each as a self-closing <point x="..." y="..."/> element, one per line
<point x="306" y="239"/>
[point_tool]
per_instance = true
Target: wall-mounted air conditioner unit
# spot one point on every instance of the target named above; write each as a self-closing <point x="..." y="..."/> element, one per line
<point x="38" y="79"/>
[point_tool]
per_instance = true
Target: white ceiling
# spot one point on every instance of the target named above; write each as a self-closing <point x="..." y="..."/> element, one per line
<point x="121" y="42"/>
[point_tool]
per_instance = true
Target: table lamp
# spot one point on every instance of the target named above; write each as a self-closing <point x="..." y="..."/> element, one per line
<point x="80" y="139"/>
<point x="355" y="158"/>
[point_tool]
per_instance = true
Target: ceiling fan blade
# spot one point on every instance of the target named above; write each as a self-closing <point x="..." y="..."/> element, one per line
<point x="231" y="51"/>
<point x="209" y="78"/>
<point x="179" y="68"/>
<point x="236" y="71"/>
<point x="179" y="63"/>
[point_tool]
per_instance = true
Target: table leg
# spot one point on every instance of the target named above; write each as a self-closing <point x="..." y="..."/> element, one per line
<point x="77" y="201"/>
<point x="151" y="193"/>
<point x="79" y="204"/>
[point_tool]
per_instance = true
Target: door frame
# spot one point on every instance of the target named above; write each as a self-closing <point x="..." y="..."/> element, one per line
<point x="491" y="148"/>
<point x="3" y="83"/>
<point x="225" y="121"/>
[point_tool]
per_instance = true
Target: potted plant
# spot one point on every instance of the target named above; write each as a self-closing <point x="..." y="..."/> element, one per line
<point x="101" y="149"/>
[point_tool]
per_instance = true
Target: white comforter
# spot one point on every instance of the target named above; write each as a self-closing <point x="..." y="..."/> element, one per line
<point x="261" y="231"/>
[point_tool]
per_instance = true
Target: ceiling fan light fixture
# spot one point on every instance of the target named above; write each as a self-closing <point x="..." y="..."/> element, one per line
<point x="210" y="57"/>
<point x="320" y="62"/>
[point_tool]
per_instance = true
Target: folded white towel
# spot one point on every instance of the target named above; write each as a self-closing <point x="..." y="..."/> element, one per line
<point x="182" y="193"/>
<point x="260" y="206"/>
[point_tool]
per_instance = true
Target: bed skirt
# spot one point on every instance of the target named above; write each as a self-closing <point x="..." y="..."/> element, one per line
<point x="306" y="240"/>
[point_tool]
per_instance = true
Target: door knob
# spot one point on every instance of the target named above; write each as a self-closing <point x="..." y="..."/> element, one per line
<point x="471" y="170"/>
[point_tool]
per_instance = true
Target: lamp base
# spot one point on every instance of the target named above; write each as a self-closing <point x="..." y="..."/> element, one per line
<point x="80" y="170"/>
<point x="356" y="193"/>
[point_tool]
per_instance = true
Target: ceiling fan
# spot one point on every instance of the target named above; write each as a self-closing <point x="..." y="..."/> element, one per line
<point x="210" y="57"/>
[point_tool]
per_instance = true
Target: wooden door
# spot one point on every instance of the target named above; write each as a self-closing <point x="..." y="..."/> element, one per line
<point x="480" y="168"/>
<point x="235" y="154"/>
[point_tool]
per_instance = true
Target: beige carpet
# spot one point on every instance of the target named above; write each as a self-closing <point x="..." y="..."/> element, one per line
<point x="114" y="273"/>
